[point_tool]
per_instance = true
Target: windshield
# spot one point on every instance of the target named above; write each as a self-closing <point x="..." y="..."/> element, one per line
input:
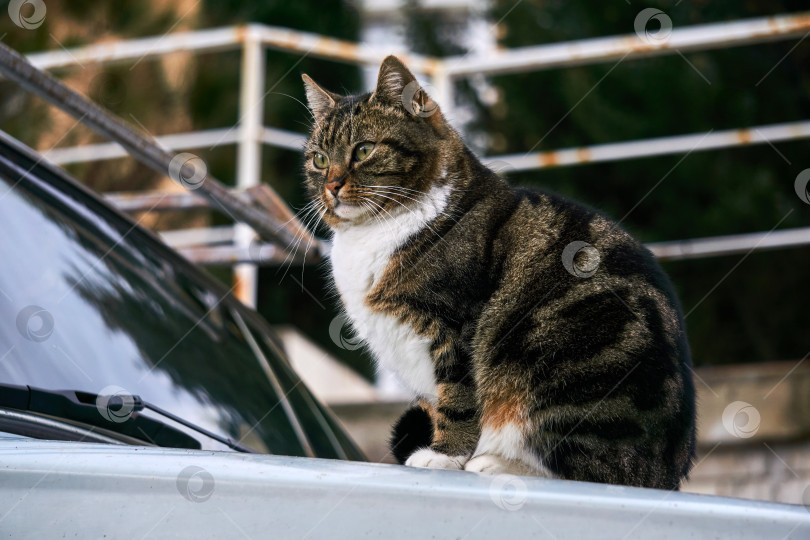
<point x="91" y="302"/>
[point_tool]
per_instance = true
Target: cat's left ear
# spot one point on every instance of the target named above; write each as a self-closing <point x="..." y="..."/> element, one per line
<point x="320" y="100"/>
<point x="397" y="85"/>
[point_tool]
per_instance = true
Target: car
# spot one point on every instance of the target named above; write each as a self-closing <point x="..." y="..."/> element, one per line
<point x="110" y="335"/>
<point x="139" y="398"/>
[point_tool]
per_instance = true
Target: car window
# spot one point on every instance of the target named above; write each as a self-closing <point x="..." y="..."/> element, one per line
<point x="88" y="302"/>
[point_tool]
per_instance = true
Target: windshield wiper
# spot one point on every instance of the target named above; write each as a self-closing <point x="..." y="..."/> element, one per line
<point x="83" y="407"/>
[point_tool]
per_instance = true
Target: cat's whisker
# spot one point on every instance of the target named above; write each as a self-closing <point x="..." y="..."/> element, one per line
<point x="299" y="101"/>
<point x="411" y="211"/>
<point x="292" y="248"/>
<point x="393" y="187"/>
<point x="385" y="191"/>
<point x="310" y="240"/>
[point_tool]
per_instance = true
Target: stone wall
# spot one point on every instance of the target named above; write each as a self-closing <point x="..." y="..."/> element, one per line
<point x="778" y="472"/>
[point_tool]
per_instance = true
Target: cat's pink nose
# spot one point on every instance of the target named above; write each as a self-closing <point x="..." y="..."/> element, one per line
<point x="335" y="185"/>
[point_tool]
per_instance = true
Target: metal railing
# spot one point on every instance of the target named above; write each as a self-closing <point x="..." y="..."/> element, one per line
<point x="236" y="245"/>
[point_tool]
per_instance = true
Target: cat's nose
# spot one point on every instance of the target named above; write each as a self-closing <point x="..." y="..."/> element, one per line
<point x="335" y="185"/>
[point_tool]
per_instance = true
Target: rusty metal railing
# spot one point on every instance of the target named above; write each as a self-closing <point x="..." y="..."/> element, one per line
<point x="250" y="134"/>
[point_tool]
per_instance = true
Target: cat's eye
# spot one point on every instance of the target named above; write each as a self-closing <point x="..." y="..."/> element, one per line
<point x="363" y="150"/>
<point x="320" y="161"/>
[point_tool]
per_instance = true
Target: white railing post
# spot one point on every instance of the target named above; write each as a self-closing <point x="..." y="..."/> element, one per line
<point x="443" y="88"/>
<point x="249" y="155"/>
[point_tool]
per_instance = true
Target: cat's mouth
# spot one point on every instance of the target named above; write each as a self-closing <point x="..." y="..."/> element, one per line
<point x="348" y="209"/>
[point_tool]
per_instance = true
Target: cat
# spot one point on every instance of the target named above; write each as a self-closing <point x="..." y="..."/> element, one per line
<point x="537" y="336"/>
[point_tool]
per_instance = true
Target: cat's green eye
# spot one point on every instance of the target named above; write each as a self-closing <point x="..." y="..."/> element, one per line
<point x="320" y="161"/>
<point x="363" y="150"/>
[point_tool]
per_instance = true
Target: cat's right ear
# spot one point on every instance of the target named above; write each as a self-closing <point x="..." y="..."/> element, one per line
<point x="320" y="100"/>
<point x="396" y="84"/>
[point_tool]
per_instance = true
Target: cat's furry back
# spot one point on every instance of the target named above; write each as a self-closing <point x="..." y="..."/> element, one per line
<point x="539" y="337"/>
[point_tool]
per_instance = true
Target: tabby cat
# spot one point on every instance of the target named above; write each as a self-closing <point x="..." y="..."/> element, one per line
<point x="537" y="336"/>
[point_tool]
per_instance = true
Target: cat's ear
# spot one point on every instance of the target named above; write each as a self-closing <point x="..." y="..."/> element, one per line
<point x="320" y="100"/>
<point x="396" y="84"/>
<point x="393" y="79"/>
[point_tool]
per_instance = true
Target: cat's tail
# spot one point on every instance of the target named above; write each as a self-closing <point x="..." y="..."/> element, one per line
<point x="412" y="431"/>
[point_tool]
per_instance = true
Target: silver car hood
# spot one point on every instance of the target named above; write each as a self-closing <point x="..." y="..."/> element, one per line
<point x="50" y="489"/>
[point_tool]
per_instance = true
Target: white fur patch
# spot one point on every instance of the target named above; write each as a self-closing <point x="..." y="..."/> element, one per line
<point x="360" y="254"/>
<point x="506" y="443"/>
<point x="430" y="459"/>
<point x="349" y="211"/>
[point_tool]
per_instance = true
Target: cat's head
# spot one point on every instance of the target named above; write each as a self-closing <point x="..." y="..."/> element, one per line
<point x="376" y="154"/>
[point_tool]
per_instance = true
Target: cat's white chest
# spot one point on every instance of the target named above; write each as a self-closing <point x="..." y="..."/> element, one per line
<point x="359" y="256"/>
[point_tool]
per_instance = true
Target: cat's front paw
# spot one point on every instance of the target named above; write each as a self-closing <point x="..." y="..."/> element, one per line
<point x="430" y="459"/>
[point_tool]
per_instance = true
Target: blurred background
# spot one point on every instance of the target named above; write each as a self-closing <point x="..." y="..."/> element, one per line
<point x="748" y="312"/>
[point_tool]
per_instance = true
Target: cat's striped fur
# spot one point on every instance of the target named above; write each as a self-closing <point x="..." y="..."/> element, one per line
<point x="527" y="357"/>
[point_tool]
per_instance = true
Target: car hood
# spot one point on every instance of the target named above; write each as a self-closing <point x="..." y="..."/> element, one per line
<point x="95" y="490"/>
